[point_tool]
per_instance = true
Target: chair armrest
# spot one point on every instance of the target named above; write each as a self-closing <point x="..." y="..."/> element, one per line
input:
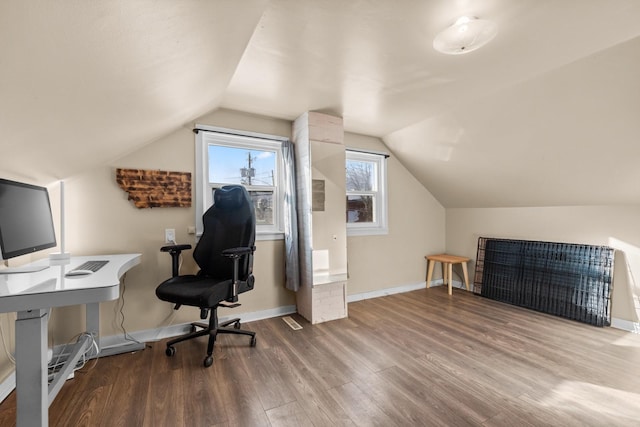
<point x="237" y="252"/>
<point x="175" y="251"/>
<point x="175" y="248"/>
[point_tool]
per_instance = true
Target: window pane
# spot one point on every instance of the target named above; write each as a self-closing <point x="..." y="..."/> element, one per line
<point x="263" y="204"/>
<point x="361" y="176"/>
<point x="360" y="209"/>
<point x="228" y="165"/>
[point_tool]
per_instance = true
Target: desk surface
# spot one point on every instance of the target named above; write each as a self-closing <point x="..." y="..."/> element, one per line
<point x="50" y="288"/>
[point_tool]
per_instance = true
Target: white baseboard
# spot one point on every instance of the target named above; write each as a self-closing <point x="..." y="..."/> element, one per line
<point x="7" y="386"/>
<point x="388" y="291"/>
<point x="454" y="284"/>
<point x="156" y="334"/>
<point x="625" y="325"/>
<point x="264" y="314"/>
<point x="400" y="289"/>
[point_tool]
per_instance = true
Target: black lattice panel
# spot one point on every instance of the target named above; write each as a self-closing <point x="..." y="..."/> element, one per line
<point x="564" y="279"/>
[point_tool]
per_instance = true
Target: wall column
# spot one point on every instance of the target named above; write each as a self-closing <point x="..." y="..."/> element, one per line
<point x="320" y="165"/>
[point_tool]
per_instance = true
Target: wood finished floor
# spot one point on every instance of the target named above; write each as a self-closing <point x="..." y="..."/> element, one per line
<point x="421" y="358"/>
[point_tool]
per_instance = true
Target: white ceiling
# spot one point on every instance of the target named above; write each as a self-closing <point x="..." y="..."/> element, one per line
<point x="546" y="114"/>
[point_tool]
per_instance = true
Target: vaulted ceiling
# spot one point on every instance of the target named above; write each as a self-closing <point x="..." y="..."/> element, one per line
<point x="546" y="114"/>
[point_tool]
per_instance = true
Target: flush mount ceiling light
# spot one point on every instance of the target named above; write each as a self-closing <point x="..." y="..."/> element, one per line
<point x="466" y="35"/>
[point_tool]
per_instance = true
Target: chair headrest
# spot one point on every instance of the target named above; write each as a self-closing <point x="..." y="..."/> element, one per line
<point x="229" y="197"/>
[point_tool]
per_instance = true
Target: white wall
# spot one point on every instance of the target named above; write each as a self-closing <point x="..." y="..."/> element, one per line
<point x="416" y="229"/>
<point x="101" y="219"/>
<point x="615" y="226"/>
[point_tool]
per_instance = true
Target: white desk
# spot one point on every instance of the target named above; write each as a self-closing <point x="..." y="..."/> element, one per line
<point x="32" y="295"/>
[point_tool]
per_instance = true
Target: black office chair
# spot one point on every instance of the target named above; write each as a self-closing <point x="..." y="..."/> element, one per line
<point x="225" y="257"/>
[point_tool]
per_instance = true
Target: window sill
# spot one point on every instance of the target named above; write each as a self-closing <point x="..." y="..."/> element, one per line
<point x="269" y="235"/>
<point x="266" y="235"/>
<point x="369" y="231"/>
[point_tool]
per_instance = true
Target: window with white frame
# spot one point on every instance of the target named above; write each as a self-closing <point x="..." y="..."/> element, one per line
<point x="366" y="180"/>
<point x="225" y="157"/>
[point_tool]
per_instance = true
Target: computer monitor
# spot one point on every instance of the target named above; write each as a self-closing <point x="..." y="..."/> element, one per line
<point x="26" y="222"/>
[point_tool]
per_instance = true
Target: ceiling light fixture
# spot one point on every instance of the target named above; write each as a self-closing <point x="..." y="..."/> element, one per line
<point x="466" y="35"/>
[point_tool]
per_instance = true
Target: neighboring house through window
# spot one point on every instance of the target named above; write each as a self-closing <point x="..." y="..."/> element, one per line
<point x="366" y="180"/>
<point x="225" y="156"/>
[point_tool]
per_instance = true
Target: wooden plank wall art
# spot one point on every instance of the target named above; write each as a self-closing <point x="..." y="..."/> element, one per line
<point x="155" y="188"/>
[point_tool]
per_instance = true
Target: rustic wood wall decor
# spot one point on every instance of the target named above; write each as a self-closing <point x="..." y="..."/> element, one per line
<point x="154" y="188"/>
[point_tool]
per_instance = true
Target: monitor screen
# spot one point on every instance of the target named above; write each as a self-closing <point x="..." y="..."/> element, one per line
<point x="26" y="223"/>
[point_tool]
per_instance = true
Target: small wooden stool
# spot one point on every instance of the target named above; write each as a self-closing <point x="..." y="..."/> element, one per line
<point x="447" y="262"/>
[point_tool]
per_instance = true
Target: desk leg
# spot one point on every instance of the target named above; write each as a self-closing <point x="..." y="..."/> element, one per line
<point x="31" y="368"/>
<point x="92" y="316"/>
<point x="449" y="276"/>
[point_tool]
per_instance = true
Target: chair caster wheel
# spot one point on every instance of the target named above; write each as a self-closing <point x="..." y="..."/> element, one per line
<point x="170" y="351"/>
<point x="208" y="361"/>
<point x="253" y="341"/>
<point x="237" y="325"/>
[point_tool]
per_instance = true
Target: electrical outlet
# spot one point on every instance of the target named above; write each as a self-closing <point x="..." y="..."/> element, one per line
<point x="191" y="229"/>
<point x="169" y="235"/>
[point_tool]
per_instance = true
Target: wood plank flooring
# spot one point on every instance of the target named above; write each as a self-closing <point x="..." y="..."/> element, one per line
<point x="421" y="358"/>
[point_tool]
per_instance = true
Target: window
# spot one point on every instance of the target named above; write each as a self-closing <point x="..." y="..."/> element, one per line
<point x="226" y="157"/>
<point x="366" y="193"/>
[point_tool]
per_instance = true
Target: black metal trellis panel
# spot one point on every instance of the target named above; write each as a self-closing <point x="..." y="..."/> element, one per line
<point x="564" y="279"/>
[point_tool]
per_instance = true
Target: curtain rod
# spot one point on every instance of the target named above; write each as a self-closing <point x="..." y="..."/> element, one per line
<point x="377" y="153"/>
<point x="234" y="132"/>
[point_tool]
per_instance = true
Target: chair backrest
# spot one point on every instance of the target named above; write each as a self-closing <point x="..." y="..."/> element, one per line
<point x="229" y="223"/>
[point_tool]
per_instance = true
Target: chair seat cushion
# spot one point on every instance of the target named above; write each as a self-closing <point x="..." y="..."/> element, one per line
<point x="198" y="291"/>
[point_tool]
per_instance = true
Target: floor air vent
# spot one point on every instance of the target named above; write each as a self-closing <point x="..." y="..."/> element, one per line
<point x="292" y="323"/>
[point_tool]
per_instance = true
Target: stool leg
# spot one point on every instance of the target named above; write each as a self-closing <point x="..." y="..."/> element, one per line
<point x="444" y="272"/>
<point x="449" y="274"/>
<point x="466" y="275"/>
<point x="430" y="266"/>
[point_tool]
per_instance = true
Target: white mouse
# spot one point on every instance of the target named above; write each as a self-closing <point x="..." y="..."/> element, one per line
<point x="78" y="273"/>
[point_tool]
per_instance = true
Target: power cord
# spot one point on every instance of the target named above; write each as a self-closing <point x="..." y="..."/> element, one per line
<point x="55" y="366"/>
<point x="165" y="323"/>
<point x="126" y="335"/>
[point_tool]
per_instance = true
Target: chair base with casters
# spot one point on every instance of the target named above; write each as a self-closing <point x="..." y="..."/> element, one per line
<point x="213" y="328"/>
<point x="201" y="291"/>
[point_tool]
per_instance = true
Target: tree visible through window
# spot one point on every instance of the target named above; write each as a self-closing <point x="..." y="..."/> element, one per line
<point x="360" y="185"/>
<point x="366" y="193"/>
